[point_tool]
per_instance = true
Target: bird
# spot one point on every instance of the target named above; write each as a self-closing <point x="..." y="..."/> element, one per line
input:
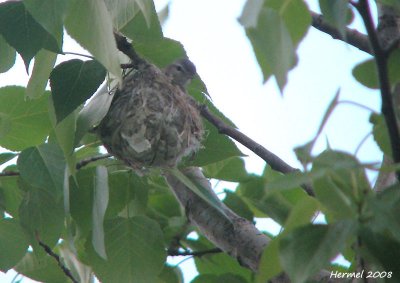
<point x="152" y="121"/>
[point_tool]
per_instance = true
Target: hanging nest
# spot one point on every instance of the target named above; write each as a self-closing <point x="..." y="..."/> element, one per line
<point x="152" y="121"/>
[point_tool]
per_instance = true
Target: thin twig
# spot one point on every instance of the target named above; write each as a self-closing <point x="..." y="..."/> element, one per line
<point x="352" y="36"/>
<point x="194" y="253"/>
<point x="49" y="251"/>
<point x="274" y="161"/>
<point x="78" y="54"/>
<point x="86" y="161"/>
<point x="125" y="47"/>
<point x="381" y="60"/>
<point x="9" y="173"/>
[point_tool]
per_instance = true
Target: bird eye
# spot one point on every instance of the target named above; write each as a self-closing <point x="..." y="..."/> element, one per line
<point x="179" y="68"/>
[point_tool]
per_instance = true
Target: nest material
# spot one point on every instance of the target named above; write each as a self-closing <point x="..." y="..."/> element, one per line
<point x="152" y="122"/>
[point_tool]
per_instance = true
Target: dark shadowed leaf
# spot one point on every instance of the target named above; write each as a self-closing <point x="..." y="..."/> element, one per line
<point x="42" y="215"/>
<point x="307" y="249"/>
<point x="380" y="132"/>
<point x="90" y="24"/>
<point x="42" y="269"/>
<point x="50" y="14"/>
<point x="382" y="250"/>
<point x="170" y="274"/>
<point x="335" y="13"/>
<point x="27" y="122"/>
<point x="13" y="243"/>
<point x="22" y="32"/>
<point x="7" y="55"/>
<point x="6" y="156"/>
<point x="135" y="251"/>
<point x="72" y="83"/>
<point x="43" y="166"/>
<point x="10" y="195"/>
<point x="211" y="278"/>
<point x="236" y="203"/>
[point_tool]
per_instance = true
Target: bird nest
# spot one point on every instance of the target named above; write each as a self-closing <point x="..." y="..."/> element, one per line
<point x="152" y="122"/>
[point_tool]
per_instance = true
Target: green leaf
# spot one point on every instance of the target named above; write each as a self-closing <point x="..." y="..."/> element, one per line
<point x="13" y="243"/>
<point x="72" y="83"/>
<point x="199" y="190"/>
<point x="7" y="55"/>
<point x="382" y="250"/>
<point x="236" y="203"/>
<point x="93" y="113"/>
<point x="380" y="133"/>
<point x="270" y="265"/>
<point x="275" y="28"/>
<point x="100" y="202"/>
<point x="123" y="11"/>
<point x="211" y="278"/>
<point x="273" y="46"/>
<point x="216" y="147"/>
<point x="6" y="156"/>
<point x="90" y="24"/>
<point x="367" y="74"/>
<point x="232" y="169"/>
<point x="217" y="264"/>
<point x="42" y="215"/>
<point x="43" y="167"/>
<point x="43" y="269"/>
<point x="22" y="32"/>
<point x="335" y="13"/>
<point x="343" y="185"/>
<point x="50" y="14"/>
<point x="27" y="122"/>
<point x="296" y="16"/>
<point x="135" y="251"/>
<point x="64" y="136"/>
<point x="44" y="62"/>
<point x="170" y="274"/>
<point x="10" y="195"/>
<point x="307" y="249"/>
<point x="145" y="21"/>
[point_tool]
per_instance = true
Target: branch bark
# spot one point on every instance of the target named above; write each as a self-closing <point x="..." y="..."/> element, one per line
<point x="381" y="59"/>
<point x="352" y="36"/>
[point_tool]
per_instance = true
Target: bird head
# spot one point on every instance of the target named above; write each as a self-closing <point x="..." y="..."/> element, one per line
<point x="181" y="72"/>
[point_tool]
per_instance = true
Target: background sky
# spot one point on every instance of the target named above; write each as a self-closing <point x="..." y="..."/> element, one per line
<point x="217" y="44"/>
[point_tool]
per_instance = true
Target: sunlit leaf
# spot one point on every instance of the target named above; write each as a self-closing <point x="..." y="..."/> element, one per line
<point x="100" y="202"/>
<point x="90" y="24"/>
<point x="27" y="122"/>
<point x="44" y="62"/>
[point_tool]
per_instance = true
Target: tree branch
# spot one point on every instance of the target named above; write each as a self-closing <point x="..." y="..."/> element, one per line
<point x="49" y="251"/>
<point x="274" y="161"/>
<point x="381" y="60"/>
<point x="194" y="253"/>
<point x="352" y="36"/>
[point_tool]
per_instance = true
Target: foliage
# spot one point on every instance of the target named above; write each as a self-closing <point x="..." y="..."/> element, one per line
<point x="106" y="221"/>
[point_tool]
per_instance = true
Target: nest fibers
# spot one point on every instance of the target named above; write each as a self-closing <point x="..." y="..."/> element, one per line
<point x="152" y="121"/>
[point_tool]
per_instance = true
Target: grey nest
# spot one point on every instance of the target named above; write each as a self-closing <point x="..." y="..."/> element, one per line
<point x="152" y="121"/>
